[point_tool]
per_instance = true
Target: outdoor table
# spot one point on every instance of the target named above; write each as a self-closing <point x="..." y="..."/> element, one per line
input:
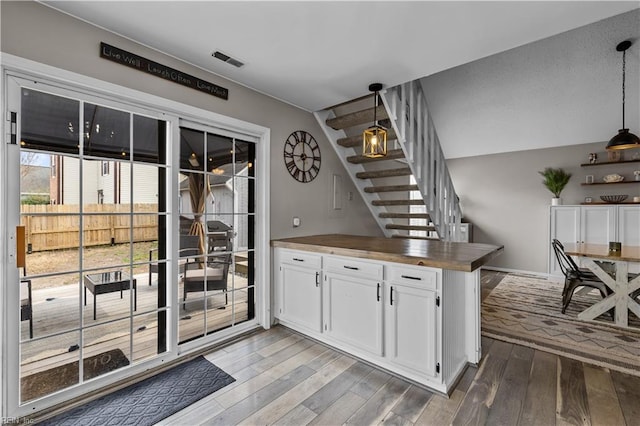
<point x="108" y="282"/>
<point x="620" y="285"/>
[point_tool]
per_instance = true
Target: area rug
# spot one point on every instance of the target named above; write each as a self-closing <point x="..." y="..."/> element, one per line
<point x="65" y="375"/>
<point x="151" y="400"/>
<point x="527" y="310"/>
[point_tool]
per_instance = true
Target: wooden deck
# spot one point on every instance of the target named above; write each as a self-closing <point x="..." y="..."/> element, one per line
<point x="56" y="313"/>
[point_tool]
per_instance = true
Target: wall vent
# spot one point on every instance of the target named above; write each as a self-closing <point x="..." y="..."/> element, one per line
<point x="226" y="58"/>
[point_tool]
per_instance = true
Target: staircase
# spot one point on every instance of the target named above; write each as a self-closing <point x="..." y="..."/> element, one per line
<point x="409" y="191"/>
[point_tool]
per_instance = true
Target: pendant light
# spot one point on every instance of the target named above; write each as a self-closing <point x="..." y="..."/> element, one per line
<point x="624" y="139"/>
<point x="374" y="139"/>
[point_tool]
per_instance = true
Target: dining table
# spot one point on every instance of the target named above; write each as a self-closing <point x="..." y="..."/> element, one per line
<point x="621" y="285"/>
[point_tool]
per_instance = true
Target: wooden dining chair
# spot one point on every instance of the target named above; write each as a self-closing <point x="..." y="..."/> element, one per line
<point x="575" y="277"/>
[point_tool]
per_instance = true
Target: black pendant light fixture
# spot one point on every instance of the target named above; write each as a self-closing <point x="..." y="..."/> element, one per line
<point x="624" y="139"/>
<point x="374" y="139"/>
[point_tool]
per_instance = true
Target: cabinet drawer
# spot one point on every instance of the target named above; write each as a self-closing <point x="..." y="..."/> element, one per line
<point x="301" y="258"/>
<point x="354" y="268"/>
<point x="419" y="277"/>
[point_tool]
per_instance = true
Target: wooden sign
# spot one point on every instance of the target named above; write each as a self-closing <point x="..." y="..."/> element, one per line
<point x="150" y="67"/>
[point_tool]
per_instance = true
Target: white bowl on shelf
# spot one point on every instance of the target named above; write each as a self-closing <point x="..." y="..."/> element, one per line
<point x="613" y="178"/>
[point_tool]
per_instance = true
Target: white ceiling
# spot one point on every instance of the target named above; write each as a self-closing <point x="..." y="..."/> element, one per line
<point x="318" y="54"/>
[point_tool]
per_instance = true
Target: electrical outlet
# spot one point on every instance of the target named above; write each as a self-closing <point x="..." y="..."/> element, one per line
<point x="296" y="221"/>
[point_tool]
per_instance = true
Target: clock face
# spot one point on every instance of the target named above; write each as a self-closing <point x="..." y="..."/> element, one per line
<point x="302" y="156"/>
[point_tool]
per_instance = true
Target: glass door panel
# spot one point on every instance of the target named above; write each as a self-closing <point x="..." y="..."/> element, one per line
<point x="211" y="199"/>
<point x="93" y="214"/>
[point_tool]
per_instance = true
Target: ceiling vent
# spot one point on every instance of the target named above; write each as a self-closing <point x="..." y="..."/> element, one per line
<point x="226" y="58"/>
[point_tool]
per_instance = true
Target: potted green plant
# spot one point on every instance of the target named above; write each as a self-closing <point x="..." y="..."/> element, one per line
<point x="555" y="180"/>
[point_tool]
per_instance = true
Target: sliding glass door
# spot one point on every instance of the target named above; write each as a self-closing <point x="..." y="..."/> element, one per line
<point x="92" y="183"/>
<point x="131" y="237"/>
<point x="217" y="214"/>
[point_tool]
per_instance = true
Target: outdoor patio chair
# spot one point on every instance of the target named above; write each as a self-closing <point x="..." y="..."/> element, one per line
<point x="216" y="270"/>
<point x="26" y="302"/>
<point x="575" y="277"/>
<point x="189" y="250"/>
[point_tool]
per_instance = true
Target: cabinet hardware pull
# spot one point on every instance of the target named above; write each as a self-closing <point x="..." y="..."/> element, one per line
<point x="298" y="260"/>
<point x="378" y="293"/>
<point x="353" y="268"/>
<point x="391" y="296"/>
<point x="411" y="278"/>
<point x="317" y="275"/>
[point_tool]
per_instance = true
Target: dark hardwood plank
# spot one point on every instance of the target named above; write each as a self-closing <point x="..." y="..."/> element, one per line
<point x="572" y="406"/>
<point x="411" y="404"/>
<point x="300" y="415"/>
<point x="628" y="392"/>
<point x="394" y="419"/>
<point x="441" y="410"/>
<point x="338" y="412"/>
<point x="604" y="406"/>
<point x="243" y="409"/>
<point x="367" y="387"/>
<point x="474" y="408"/>
<point x="467" y="378"/>
<point x="377" y="407"/>
<point x="513" y="388"/>
<point x="282" y="355"/>
<point x="539" y="406"/>
<point x="329" y="393"/>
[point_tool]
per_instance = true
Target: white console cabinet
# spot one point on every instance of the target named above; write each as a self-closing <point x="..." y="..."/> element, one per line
<point x="299" y="293"/>
<point x="411" y="314"/>
<point x="353" y="304"/>
<point x="594" y="225"/>
<point x="386" y="313"/>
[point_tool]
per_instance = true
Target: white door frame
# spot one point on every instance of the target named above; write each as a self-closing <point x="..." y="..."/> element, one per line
<point x="23" y="68"/>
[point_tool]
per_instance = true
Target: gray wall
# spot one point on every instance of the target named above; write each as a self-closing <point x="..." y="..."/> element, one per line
<point x="503" y="196"/>
<point x="36" y="32"/>
<point x="561" y="94"/>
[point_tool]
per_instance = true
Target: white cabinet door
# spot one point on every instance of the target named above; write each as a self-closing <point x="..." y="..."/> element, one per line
<point x="411" y="338"/>
<point x="629" y="225"/>
<point x="300" y="296"/>
<point x="597" y="224"/>
<point x="565" y="227"/>
<point x="353" y="311"/>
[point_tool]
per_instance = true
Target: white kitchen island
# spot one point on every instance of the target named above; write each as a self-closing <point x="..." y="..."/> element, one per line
<point x="409" y="306"/>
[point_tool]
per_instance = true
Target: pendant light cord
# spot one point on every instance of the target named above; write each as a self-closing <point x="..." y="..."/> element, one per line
<point x="375" y="107"/>
<point x="624" y="55"/>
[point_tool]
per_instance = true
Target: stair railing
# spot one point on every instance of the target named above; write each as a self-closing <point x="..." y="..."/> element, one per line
<point x="410" y="118"/>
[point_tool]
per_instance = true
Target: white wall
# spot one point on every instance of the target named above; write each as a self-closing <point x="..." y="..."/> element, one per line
<point x="562" y="93"/>
<point x="559" y="91"/>
<point x="39" y="33"/>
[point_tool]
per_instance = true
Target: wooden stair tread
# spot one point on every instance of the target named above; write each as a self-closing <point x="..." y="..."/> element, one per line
<point x="392" y="154"/>
<point x="391" y="188"/>
<point x="413" y="237"/>
<point x="356" y="140"/>
<point x="410" y="227"/>
<point x="404" y="215"/>
<point x="357" y="118"/>
<point x="403" y="171"/>
<point x="397" y="202"/>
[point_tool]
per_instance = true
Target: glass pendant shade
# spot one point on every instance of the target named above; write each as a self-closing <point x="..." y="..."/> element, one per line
<point x="374" y="142"/>
<point x="374" y="139"/>
<point x="623" y="140"/>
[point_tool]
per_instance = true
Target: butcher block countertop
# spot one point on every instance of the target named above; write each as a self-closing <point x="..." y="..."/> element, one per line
<point x="465" y="257"/>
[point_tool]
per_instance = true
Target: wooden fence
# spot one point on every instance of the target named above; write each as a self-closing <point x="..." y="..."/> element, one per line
<point x="53" y="227"/>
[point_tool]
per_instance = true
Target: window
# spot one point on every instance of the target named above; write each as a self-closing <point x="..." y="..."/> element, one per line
<point x="105" y="168"/>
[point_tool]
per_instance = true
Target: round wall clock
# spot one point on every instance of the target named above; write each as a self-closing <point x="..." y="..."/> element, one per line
<point x="302" y="156"/>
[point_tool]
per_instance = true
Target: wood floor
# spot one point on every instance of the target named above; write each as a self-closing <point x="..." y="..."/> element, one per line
<point x="284" y="378"/>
